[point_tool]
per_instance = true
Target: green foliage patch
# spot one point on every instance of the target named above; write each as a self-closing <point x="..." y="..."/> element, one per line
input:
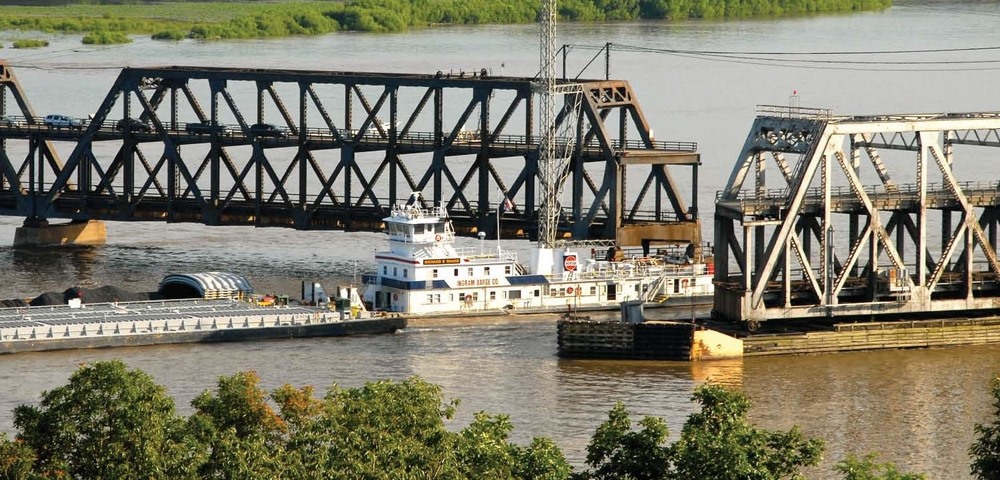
<point x="30" y="43"/>
<point x="240" y="20"/>
<point x="105" y="38"/>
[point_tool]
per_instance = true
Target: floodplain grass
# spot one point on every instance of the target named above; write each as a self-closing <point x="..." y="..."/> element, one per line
<point x="106" y="38"/>
<point x="217" y="20"/>
<point x="30" y="43"/>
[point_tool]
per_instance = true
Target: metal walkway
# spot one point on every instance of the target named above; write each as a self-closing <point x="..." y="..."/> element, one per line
<point x="875" y="248"/>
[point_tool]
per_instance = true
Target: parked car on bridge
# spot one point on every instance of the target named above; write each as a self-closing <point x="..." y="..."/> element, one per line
<point x="267" y="130"/>
<point x="62" y="121"/>
<point x="200" y="128"/>
<point x="132" y="125"/>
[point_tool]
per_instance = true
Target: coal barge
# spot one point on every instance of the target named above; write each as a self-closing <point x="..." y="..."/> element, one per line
<point x="225" y="311"/>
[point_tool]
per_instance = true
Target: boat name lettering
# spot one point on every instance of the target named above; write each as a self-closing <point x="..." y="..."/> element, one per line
<point x="478" y="282"/>
<point x="442" y="261"/>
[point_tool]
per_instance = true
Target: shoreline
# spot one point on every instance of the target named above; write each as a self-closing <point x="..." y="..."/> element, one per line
<point x="245" y="20"/>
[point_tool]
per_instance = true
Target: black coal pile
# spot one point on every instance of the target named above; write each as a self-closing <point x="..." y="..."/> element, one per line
<point x="105" y="294"/>
<point x="16" y="302"/>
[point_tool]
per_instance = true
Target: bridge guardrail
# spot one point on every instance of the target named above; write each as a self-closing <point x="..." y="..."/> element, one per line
<point x="372" y="135"/>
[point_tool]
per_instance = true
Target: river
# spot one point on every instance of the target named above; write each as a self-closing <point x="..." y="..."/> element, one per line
<point x="916" y="408"/>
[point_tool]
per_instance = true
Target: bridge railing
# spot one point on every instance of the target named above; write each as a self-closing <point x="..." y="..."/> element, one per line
<point x="876" y="192"/>
<point x="373" y="136"/>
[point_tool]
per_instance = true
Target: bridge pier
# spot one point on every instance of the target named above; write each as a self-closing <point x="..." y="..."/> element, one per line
<point x="38" y="233"/>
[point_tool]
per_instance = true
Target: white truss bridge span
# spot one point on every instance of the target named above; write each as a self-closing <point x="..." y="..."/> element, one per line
<point x="863" y="216"/>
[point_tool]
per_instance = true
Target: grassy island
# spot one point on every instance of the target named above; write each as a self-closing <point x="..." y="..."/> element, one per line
<point x="111" y="21"/>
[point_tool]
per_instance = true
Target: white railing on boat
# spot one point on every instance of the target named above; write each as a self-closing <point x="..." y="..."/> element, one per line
<point x="411" y="211"/>
<point x="486" y="253"/>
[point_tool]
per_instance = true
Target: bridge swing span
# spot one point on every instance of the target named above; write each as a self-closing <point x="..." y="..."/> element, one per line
<point x="345" y="147"/>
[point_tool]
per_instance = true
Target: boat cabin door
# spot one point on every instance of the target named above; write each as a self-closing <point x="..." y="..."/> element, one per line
<point x="612" y="289"/>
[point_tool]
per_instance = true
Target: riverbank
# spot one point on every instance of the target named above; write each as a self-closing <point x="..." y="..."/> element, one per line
<point x="212" y="20"/>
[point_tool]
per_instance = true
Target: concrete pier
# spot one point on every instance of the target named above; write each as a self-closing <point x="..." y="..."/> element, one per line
<point x="665" y="340"/>
<point x="42" y="234"/>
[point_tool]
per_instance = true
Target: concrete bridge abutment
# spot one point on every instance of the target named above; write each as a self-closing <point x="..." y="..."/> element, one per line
<point x="39" y="233"/>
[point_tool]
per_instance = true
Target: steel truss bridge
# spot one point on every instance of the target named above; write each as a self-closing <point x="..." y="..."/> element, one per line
<point x="346" y="147"/>
<point x="840" y="235"/>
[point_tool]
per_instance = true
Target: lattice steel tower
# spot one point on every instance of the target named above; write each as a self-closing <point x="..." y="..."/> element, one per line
<point x="548" y="161"/>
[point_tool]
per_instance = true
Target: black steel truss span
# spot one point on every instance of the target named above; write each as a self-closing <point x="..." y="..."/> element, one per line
<point x="335" y="150"/>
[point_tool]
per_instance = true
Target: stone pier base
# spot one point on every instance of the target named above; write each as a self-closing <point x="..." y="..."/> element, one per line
<point x="41" y="234"/>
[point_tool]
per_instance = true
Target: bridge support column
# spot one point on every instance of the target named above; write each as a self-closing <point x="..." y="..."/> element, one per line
<point x="38" y="233"/>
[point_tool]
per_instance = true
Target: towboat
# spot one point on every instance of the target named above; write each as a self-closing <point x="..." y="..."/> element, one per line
<point x="424" y="273"/>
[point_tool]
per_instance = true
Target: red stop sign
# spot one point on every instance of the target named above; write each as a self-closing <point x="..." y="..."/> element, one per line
<point x="569" y="263"/>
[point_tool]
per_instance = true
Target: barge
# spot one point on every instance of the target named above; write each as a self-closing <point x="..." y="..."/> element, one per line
<point x="58" y="327"/>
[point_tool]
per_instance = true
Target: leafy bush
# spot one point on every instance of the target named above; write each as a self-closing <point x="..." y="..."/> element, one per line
<point x="170" y="35"/>
<point x="30" y="43"/>
<point x="105" y="38"/>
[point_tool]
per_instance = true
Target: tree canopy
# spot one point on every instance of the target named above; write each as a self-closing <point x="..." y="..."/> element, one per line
<point x="112" y="422"/>
<point x="985" y="452"/>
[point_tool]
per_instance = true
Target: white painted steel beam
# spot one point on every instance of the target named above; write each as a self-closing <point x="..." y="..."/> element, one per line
<point x="813" y="142"/>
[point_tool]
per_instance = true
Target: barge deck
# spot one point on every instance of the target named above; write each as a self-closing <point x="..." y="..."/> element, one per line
<point x="28" y="329"/>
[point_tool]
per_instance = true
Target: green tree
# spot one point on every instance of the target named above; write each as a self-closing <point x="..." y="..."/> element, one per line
<point x="985" y="452"/>
<point x="617" y="452"/>
<point x="720" y="443"/>
<point x="17" y="459"/>
<point x="241" y="434"/>
<point x="107" y="422"/>
<point x="854" y="468"/>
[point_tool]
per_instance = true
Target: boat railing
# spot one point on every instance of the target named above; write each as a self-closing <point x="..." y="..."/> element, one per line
<point x="630" y="269"/>
<point x="411" y="211"/>
<point x="485" y="253"/>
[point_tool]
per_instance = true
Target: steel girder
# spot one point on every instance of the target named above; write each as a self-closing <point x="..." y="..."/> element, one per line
<point x="875" y="251"/>
<point x="353" y="145"/>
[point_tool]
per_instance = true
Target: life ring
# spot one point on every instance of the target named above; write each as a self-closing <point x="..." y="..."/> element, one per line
<point x="468" y="299"/>
<point x="437" y="238"/>
<point x="569" y="290"/>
